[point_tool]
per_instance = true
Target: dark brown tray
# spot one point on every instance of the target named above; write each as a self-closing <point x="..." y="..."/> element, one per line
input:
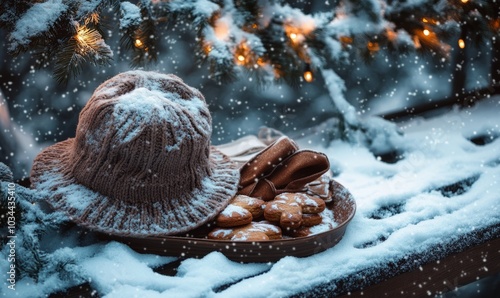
<point x="195" y="245"/>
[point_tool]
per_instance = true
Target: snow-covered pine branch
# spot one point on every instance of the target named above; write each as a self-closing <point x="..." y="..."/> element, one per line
<point x="264" y="38"/>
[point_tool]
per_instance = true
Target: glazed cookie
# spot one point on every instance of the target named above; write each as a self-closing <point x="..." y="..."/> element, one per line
<point x="255" y="231"/>
<point x="253" y="205"/>
<point x="287" y="209"/>
<point x="233" y="216"/>
<point x="309" y="220"/>
<point x="241" y="211"/>
<point x="327" y="223"/>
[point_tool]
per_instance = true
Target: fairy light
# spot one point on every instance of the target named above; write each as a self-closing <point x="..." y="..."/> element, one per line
<point x="461" y="43"/>
<point x="295" y="36"/>
<point x="82" y="35"/>
<point x="373" y="46"/>
<point x="495" y="24"/>
<point x="428" y="20"/>
<point x="85" y="39"/>
<point x="221" y="29"/>
<point x="391" y="35"/>
<point x="138" y="43"/>
<point x="416" y="42"/>
<point x="429" y="39"/>
<point x="464" y="1"/>
<point x="243" y="54"/>
<point x="308" y="76"/>
<point x="79" y="36"/>
<point x="93" y="18"/>
<point x="297" y="31"/>
<point x="345" y="41"/>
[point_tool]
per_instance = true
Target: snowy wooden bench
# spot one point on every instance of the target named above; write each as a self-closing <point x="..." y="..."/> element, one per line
<point x="441" y="275"/>
<point x="427" y="222"/>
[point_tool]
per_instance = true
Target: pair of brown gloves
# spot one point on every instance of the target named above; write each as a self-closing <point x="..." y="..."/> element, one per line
<point x="280" y="168"/>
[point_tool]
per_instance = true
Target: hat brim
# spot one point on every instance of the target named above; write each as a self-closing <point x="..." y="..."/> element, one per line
<point x="51" y="175"/>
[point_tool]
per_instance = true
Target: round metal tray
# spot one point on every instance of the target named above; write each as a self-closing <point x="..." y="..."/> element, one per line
<point x="197" y="245"/>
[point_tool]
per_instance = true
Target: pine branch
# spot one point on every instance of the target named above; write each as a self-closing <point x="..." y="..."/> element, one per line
<point x="12" y="10"/>
<point x="140" y="34"/>
<point x="222" y="68"/>
<point x="423" y="25"/>
<point x="285" y="61"/>
<point x="249" y="10"/>
<point x="32" y="222"/>
<point x="85" y="46"/>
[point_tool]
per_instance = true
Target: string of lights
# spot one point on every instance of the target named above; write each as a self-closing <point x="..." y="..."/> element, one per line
<point x="270" y="38"/>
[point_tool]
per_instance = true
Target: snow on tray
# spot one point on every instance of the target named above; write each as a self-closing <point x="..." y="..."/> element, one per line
<point x="327" y="223"/>
<point x="443" y="188"/>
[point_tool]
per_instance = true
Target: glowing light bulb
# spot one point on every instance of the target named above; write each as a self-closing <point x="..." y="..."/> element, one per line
<point x="138" y="43"/>
<point x="293" y="36"/>
<point x="80" y="37"/>
<point x="495" y="24"/>
<point x="425" y="20"/>
<point x="346" y="39"/>
<point x="308" y="76"/>
<point x="241" y="58"/>
<point x="416" y="41"/>
<point x="426" y="32"/>
<point x="221" y="29"/>
<point x="81" y="34"/>
<point x="373" y="46"/>
<point x="465" y="1"/>
<point x="461" y="43"/>
<point x="391" y="35"/>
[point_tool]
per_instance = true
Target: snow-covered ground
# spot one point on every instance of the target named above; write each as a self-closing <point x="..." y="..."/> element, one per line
<point x="442" y="188"/>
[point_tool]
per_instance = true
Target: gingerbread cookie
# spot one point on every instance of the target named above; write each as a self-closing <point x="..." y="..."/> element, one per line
<point x="241" y="211"/>
<point x="254" y="231"/>
<point x="287" y="209"/>
<point x="327" y="223"/>
<point x="253" y="205"/>
<point x="309" y="220"/>
<point x="233" y="216"/>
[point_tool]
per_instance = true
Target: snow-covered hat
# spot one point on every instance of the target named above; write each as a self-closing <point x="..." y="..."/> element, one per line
<point x="141" y="163"/>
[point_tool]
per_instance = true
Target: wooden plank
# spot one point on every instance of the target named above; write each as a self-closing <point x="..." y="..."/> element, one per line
<point x="84" y="290"/>
<point x="440" y="276"/>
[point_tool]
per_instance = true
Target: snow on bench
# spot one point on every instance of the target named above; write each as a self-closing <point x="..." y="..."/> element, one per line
<point x="439" y="196"/>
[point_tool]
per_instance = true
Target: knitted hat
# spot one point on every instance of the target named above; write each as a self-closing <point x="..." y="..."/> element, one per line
<point x="141" y="163"/>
